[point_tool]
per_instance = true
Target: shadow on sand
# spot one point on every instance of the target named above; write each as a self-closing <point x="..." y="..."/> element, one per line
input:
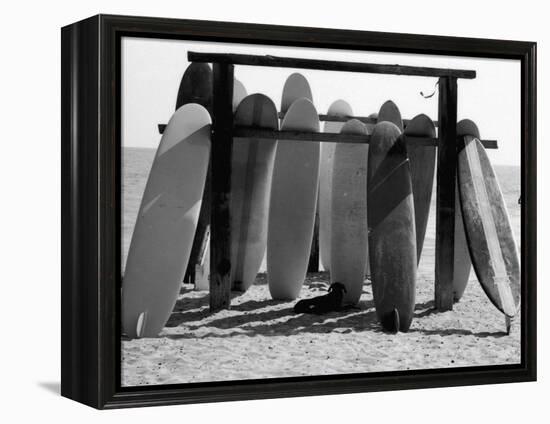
<point x="258" y="317"/>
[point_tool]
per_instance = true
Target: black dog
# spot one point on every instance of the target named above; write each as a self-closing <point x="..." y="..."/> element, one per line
<point x="323" y="304"/>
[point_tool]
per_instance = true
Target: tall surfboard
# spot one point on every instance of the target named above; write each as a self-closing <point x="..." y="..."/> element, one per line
<point x="252" y="169"/>
<point x="389" y="112"/>
<point x="166" y="222"/>
<point x="296" y="87"/>
<point x="392" y="234"/>
<point x="491" y="242"/>
<point x="349" y="214"/>
<point x="292" y="204"/>
<point x="239" y="93"/>
<point x="337" y="108"/>
<point x="196" y="87"/>
<point x="422" y="160"/>
<point x="462" y="262"/>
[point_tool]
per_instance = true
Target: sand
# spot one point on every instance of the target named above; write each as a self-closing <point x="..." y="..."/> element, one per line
<point x="262" y="338"/>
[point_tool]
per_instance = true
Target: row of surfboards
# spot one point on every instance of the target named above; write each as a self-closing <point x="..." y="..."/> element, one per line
<point x="276" y="189"/>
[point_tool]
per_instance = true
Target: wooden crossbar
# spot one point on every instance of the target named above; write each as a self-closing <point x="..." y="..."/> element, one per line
<point x="330" y="118"/>
<point x="344" y="118"/>
<point x="259" y="133"/>
<point x="250" y="132"/>
<point x="327" y="65"/>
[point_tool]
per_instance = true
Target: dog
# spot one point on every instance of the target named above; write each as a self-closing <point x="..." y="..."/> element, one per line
<point x="323" y="304"/>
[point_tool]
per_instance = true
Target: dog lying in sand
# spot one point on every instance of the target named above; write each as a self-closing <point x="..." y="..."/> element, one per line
<point x="332" y="301"/>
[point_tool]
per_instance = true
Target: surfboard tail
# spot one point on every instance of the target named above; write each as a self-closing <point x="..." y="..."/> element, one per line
<point x="140" y="325"/>
<point x="396" y="320"/>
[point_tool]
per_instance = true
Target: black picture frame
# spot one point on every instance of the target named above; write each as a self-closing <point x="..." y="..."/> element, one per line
<point x="90" y="184"/>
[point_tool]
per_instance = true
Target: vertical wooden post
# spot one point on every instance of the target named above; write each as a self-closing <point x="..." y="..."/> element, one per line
<point x="446" y="180"/>
<point x="222" y="149"/>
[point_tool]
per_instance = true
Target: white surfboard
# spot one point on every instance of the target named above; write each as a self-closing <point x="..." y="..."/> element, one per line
<point x="251" y="173"/>
<point x="337" y="108"/>
<point x="296" y="87"/>
<point x="239" y="93"/>
<point x="166" y="223"/>
<point x="349" y="214"/>
<point x="292" y="204"/>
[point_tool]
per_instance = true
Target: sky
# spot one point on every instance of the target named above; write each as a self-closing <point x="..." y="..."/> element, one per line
<point x="152" y="70"/>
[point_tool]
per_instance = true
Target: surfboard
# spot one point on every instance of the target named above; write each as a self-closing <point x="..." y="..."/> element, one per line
<point x="370" y="126"/>
<point x="251" y="173"/>
<point x="337" y="108"/>
<point x="296" y="87"/>
<point x="392" y="234"/>
<point x="422" y="160"/>
<point x="389" y="112"/>
<point x="292" y="204"/>
<point x="349" y="214"/>
<point x="493" y="250"/>
<point x="196" y="86"/>
<point x="239" y="93"/>
<point x="166" y="222"/>
<point x="462" y="262"/>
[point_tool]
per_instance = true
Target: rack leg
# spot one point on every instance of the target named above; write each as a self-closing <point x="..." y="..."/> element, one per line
<point x="222" y="149"/>
<point x="445" y="208"/>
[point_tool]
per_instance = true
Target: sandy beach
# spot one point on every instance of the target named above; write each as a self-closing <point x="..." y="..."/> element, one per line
<point x="262" y="338"/>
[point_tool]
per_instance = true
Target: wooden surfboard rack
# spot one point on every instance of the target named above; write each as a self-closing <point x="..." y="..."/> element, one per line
<point x="223" y="132"/>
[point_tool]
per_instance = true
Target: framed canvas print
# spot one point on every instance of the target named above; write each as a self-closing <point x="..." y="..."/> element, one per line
<point x="253" y="211"/>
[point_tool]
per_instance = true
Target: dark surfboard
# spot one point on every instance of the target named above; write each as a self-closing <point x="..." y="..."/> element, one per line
<point x="196" y="87"/>
<point x="392" y="235"/>
<point x="422" y="159"/>
<point x="251" y="173"/>
<point x="389" y="112"/>
<point x="490" y="238"/>
<point x="462" y="262"/>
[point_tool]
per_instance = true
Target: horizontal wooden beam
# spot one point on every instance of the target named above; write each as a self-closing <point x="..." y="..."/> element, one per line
<point x="328" y="65"/>
<point x="249" y="132"/>
<point x="329" y="118"/>
<point x="345" y="118"/>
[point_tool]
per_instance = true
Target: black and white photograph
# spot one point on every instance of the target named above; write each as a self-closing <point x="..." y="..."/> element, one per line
<point x="274" y="212"/>
<point x="362" y="215"/>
